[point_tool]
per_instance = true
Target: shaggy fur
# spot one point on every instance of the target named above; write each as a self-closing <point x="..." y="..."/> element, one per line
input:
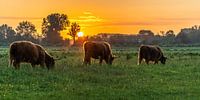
<point x="97" y="50"/>
<point x="151" y="53"/>
<point x="25" y="51"/>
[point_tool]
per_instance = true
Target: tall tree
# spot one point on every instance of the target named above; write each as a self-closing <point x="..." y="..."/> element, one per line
<point x="3" y="32"/>
<point x="52" y="25"/>
<point x="146" y="33"/>
<point x="26" y="31"/>
<point x="162" y="33"/>
<point x="182" y="38"/>
<point x="170" y="33"/>
<point x="7" y="33"/>
<point x="75" y="28"/>
<point x="169" y="37"/>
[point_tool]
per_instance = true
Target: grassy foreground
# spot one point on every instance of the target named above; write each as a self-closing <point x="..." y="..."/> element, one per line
<point x="178" y="79"/>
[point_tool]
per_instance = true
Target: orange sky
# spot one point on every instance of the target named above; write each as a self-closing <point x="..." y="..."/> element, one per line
<point x="115" y="16"/>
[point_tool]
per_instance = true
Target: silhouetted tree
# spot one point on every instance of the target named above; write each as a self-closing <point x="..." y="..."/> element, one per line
<point x="168" y="37"/>
<point x="26" y="31"/>
<point x="162" y="33"/>
<point x="146" y="33"/>
<point x="7" y="33"/>
<point x="170" y="33"/>
<point x="3" y="32"/>
<point x="182" y="38"/>
<point x="52" y="25"/>
<point x="189" y="35"/>
<point x="75" y="28"/>
<point x="145" y="36"/>
<point x="195" y="27"/>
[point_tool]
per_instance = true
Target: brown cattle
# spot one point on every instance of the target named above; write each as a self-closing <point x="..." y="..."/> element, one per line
<point x="97" y="50"/>
<point x="25" y="51"/>
<point x="151" y="53"/>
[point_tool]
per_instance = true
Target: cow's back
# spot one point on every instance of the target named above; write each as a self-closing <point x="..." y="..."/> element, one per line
<point x="108" y="50"/>
<point x="150" y="52"/>
<point x="94" y="49"/>
<point x="23" y="51"/>
<point x="41" y="53"/>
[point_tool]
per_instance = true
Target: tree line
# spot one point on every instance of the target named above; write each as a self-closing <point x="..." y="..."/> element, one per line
<point x="52" y="26"/>
<point x="187" y="36"/>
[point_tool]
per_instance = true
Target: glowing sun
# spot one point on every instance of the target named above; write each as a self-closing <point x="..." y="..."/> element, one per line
<point x="80" y="34"/>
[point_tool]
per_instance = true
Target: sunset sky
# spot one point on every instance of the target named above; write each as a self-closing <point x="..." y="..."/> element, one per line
<point x="113" y="16"/>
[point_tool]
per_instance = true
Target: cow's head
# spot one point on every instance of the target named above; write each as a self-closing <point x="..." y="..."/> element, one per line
<point x="50" y="62"/>
<point x="163" y="59"/>
<point x="111" y="59"/>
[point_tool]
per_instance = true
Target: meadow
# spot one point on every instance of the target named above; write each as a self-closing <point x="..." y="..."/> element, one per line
<point x="124" y="80"/>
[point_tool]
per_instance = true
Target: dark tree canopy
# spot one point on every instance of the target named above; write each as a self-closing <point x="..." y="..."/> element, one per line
<point x="182" y="38"/>
<point x="75" y="28"/>
<point x="189" y="35"/>
<point x="52" y="25"/>
<point x="146" y="32"/>
<point x="7" y="33"/>
<point x="170" y="33"/>
<point x="3" y="32"/>
<point x="26" y="31"/>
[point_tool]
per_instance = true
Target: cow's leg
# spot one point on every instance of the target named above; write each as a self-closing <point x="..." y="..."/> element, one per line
<point x="156" y="62"/>
<point x="16" y="65"/>
<point x="10" y="62"/>
<point x="107" y="59"/>
<point x="101" y="60"/>
<point x="147" y="61"/>
<point x="42" y="65"/>
<point x="33" y="65"/>
<point x="139" y="60"/>
<point x="87" y="60"/>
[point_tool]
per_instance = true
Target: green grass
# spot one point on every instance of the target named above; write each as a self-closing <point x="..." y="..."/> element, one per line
<point x="178" y="79"/>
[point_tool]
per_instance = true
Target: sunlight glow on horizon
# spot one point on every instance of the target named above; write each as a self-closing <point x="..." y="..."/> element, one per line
<point x="80" y="34"/>
<point x="111" y="16"/>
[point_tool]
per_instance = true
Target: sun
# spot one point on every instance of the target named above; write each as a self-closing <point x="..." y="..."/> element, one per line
<point x="80" y="34"/>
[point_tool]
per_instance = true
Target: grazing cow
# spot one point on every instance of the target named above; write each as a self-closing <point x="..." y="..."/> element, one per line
<point x="97" y="50"/>
<point x="151" y="53"/>
<point x="25" y="51"/>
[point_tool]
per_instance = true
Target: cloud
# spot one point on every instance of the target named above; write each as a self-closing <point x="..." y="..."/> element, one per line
<point x="125" y="23"/>
<point x="20" y="18"/>
<point x="87" y="17"/>
<point x="87" y="13"/>
<point x="178" y="19"/>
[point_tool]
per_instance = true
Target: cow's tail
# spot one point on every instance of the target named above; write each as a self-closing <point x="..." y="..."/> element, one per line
<point x="10" y="62"/>
<point x="12" y="53"/>
<point x="85" y="52"/>
<point x="139" y="57"/>
<point x="10" y="59"/>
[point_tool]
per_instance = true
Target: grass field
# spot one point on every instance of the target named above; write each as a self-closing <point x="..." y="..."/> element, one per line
<point x="124" y="80"/>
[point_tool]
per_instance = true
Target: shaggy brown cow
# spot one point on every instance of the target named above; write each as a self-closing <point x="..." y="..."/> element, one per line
<point x="151" y="53"/>
<point x="97" y="50"/>
<point x="25" y="51"/>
